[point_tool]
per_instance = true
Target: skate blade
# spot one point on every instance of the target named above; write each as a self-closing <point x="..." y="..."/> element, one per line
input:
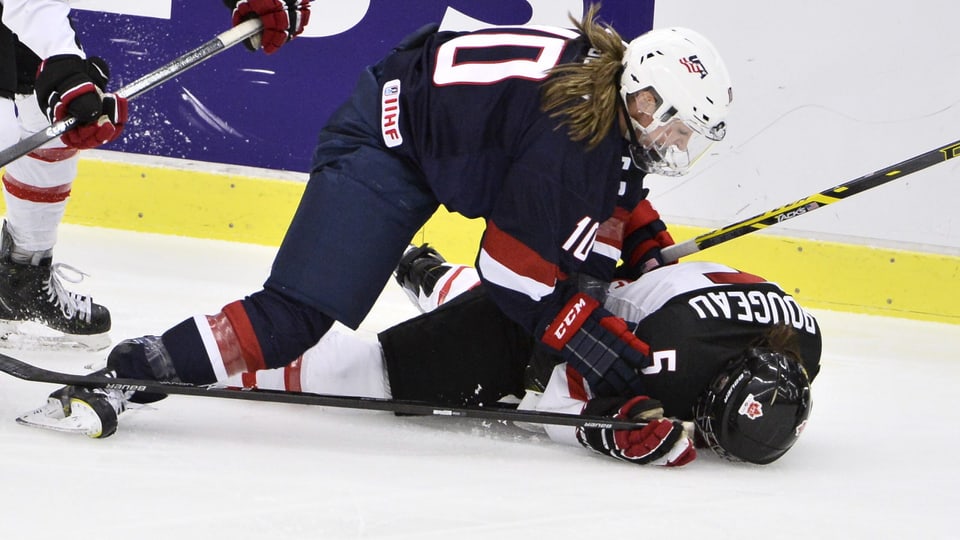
<point x="36" y="337"/>
<point x="50" y="417"/>
<point x="82" y="420"/>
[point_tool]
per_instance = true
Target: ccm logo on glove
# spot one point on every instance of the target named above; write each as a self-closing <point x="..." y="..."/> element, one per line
<point x="599" y="345"/>
<point x="578" y="311"/>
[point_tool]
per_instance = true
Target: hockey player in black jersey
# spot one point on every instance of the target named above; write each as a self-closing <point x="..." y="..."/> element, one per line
<point x="546" y="133"/>
<point x="45" y="75"/>
<point x="730" y="364"/>
<point x="729" y="352"/>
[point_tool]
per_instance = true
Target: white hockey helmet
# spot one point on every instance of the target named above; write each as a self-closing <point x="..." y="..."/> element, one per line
<point x="691" y="95"/>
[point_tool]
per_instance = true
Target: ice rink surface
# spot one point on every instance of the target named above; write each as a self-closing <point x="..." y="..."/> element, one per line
<point x="876" y="460"/>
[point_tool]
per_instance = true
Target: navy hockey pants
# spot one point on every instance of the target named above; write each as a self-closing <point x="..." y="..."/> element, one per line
<point x="361" y="207"/>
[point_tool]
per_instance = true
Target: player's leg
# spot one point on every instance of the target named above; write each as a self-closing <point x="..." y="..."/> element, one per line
<point x="358" y="212"/>
<point x="36" y="188"/>
<point x="467" y="352"/>
<point x="343" y="363"/>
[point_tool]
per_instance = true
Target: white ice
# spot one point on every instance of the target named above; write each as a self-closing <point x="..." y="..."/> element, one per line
<point x="875" y="462"/>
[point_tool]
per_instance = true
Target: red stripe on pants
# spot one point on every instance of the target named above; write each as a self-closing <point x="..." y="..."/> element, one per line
<point x="236" y="340"/>
<point x="35" y="194"/>
<point x="291" y="376"/>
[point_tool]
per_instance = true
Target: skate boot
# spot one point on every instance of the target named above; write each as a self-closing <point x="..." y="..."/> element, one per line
<point x="89" y="411"/>
<point x="31" y="291"/>
<point x="144" y="357"/>
<point x="419" y="270"/>
<point x="430" y="281"/>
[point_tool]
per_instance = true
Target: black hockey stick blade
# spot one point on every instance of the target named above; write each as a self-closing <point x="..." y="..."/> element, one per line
<point x="30" y="372"/>
<point x="811" y="203"/>
<point x="151" y="80"/>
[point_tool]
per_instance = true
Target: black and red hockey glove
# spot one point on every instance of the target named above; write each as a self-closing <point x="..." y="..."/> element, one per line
<point x="645" y="235"/>
<point x="599" y="346"/>
<point x="68" y="85"/>
<point x="282" y="21"/>
<point x="106" y="128"/>
<point x="660" y="442"/>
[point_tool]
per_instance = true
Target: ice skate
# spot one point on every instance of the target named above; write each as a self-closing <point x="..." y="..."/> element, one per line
<point x="37" y="311"/>
<point x="419" y="270"/>
<point x="429" y="280"/>
<point x="91" y="412"/>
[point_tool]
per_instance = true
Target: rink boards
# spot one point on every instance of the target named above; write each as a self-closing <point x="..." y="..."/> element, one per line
<point x="250" y="205"/>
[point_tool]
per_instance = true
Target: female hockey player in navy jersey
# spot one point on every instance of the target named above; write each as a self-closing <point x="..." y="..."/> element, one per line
<point x="545" y="133"/>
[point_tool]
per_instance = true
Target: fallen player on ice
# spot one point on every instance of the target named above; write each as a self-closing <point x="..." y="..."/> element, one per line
<point x="729" y="353"/>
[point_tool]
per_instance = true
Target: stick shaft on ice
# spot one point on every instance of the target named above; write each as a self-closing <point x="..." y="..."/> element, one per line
<point x="29" y="372"/>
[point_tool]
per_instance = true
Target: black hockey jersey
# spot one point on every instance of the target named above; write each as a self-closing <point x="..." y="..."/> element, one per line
<point x="698" y="316"/>
<point x="465" y="108"/>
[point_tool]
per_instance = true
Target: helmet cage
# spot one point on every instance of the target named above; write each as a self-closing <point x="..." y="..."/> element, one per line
<point x="756" y="408"/>
<point x="670" y="143"/>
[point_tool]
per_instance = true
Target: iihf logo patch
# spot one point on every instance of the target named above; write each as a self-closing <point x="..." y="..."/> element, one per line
<point x="751" y="408"/>
<point x="694" y="65"/>
<point x="390" y="113"/>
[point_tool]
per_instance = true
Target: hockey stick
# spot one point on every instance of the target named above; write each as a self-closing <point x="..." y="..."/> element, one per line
<point x="151" y="80"/>
<point x="29" y="372"/>
<point x="811" y="203"/>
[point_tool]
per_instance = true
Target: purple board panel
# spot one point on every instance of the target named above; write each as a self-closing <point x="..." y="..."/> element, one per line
<point x="252" y="109"/>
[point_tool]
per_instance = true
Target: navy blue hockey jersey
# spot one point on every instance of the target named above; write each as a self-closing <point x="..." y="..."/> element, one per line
<point x="465" y="109"/>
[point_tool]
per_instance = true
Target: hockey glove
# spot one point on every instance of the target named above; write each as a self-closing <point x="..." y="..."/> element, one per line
<point x="599" y="346"/>
<point x="68" y="85"/>
<point x="282" y="21"/>
<point x="104" y="129"/>
<point x="660" y="442"/>
<point x="645" y="235"/>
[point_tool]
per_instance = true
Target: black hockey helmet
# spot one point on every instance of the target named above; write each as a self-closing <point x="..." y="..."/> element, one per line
<point x="755" y="408"/>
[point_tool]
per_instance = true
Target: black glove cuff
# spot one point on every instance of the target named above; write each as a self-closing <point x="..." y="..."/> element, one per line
<point x="62" y="71"/>
<point x="604" y="406"/>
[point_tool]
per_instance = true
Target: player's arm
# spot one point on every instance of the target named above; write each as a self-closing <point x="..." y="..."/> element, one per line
<point x="645" y="235"/>
<point x="602" y="261"/>
<point x="599" y="345"/>
<point x="68" y="82"/>
<point x="660" y="441"/>
<point x="68" y="85"/>
<point x="282" y="20"/>
<point x="634" y="234"/>
<point x="43" y="26"/>
<point x="525" y="265"/>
